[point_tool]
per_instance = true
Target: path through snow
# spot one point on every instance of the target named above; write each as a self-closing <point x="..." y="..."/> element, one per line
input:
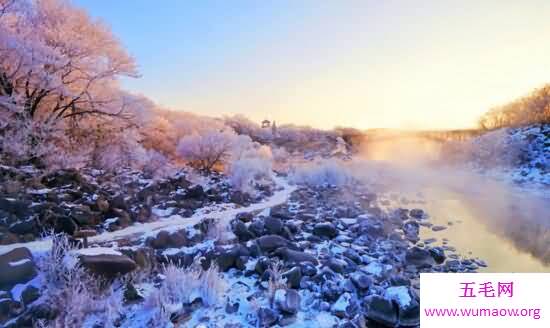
<point x="174" y="222"/>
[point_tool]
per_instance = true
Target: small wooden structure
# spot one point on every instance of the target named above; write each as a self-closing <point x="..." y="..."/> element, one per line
<point x="84" y="234"/>
<point x="266" y="124"/>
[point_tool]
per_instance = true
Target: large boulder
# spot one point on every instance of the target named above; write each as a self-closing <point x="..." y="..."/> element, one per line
<point x="269" y="243"/>
<point x="325" y="229"/>
<point x="108" y="265"/>
<point x="295" y="257"/>
<point x="273" y="226"/>
<point x="382" y="311"/>
<point x="419" y="257"/>
<point x="16" y="267"/>
<point x="241" y="231"/>
<point x="361" y="280"/>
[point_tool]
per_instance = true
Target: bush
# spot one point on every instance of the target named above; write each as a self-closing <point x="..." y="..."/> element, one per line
<point x="250" y="167"/>
<point x="183" y="286"/>
<point x="204" y="151"/>
<point x="75" y="293"/>
<point x="321" y="174"/>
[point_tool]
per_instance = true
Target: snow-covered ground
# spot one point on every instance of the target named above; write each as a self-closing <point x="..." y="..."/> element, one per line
<point x="171" y="222"/>
<point x="519" y="155"/>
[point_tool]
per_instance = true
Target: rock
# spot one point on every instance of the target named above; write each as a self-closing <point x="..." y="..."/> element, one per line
<point x="102" y="205"/>
<point x="8" y="238"/>
<point x="84" y="216"/>
<point x="16" y="267"/>
<point x="273" y="225"/>
<point x="419" y="257"/>
<point x="376" y="269"/>
<point x="337" y="265"/>
<point x="65" y="224"/>
<point x="262" y="265"/>
<point x="270" y="243"/>
<point x="361" y="280"/>
<point x="352" y="255"/>
<point x="108" y="265"/>
<point x="195" y="192"/>
<point x="372" y="228"/>
<point x="293" y="277"/>
<point x="241" y="231"/>
<point x="410" y="316"/>
<point x="295" y="257"/>
<point x="345" y="306"/>
<point x="257" y="228"/>
<point x="165" y="239"/>
<point x="325" y="229"/>
<point x="416" y="213"/>
<point x="438" y="228"/>
<point x="280" y="212"/>
<point x="411" y="230"/>
<point x="160" y="241"/>
<point x="239" y="197"/>
<point x="382" y="311"/>
<point x="330" y="291"/>
<point x="308" y="269"/>
<point x="9" y="308"/>
<point x="231" y="307"/>
<point x="226" y="259"/>
<point x="287" y="300"/>
<point x="400" y="295"/>
<point x="438" y="253"/>
<point x="62" y="178"/>
<point x="131" y="295"/>
<point x="29" y="295"/>
<point x="178" y="239"/>
<point x="17" y="207"/>
<point x="267" y="317"/>
<point x="24" y="227"/>
<point x="245" y="216"/>
<point x="124" y="218"/>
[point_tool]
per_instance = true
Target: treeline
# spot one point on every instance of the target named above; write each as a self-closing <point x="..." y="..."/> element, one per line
<point x="61" y="106"/>
<point x="531" y="109"/>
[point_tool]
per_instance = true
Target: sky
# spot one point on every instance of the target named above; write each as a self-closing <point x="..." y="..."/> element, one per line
<point x="366" y="64"/>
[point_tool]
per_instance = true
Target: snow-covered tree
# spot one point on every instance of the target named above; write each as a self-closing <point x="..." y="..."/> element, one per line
<point x="204" y="151"/>
<point x="56" y="62"/>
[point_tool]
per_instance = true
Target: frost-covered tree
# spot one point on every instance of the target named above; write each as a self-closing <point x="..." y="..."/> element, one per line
<point x="57" y="63"/>
<point x="206" y="150"/>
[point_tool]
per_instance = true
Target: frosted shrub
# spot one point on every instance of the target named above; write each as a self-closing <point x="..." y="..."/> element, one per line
<point x="114" y="149"/>
<point x="323" y="173"/>
<point x="204" y="151"/>
<point x="495" y="148"/>
<point x="276" y="280"/>
<point x="251" y="165"/>
<point x="219" y="231"/>
<point x="76" y="294"/>
<point x="492" y="149"/>
<point x="157" y="165"/>
<point x="184" y="285"/>
<point x="245" y="173"/>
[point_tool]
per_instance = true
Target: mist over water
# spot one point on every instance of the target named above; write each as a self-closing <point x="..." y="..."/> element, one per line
<point x="494" y="220"/>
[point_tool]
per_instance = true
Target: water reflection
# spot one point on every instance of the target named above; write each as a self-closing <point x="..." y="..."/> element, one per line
<point x="512" y="242"/>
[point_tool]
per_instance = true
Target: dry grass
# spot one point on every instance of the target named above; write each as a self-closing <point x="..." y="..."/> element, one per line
<point x="74" y="292"/>
<point x="183" y="286"/>
<point x="276" y="280"/>
<point x="220" y="232"/>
